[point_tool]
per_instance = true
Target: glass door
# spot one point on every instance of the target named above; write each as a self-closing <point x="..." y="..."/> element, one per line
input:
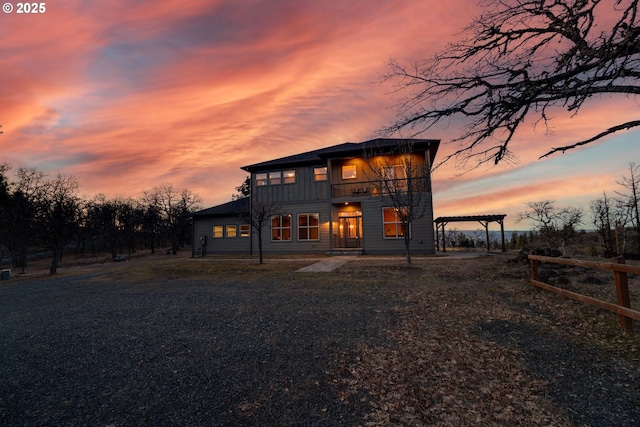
<point x="350" y="232"/>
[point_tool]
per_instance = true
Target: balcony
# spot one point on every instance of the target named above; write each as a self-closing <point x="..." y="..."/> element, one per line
<point x="374" y="188"/>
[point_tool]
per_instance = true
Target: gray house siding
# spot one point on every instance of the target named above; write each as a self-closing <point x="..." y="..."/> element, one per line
<point x="374" y="242"/>
<point x="342" y="201"/>
<point x="304" y="189"/>
<point x="219" y="245"/>
<point x="295" y="245"/>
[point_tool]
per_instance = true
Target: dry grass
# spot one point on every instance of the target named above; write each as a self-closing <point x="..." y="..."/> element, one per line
<point x="473" y="344"/>
<point x="463" y="356"/>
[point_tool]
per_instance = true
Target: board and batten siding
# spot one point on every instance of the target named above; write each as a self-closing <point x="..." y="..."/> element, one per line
<point x="306" y="188"/>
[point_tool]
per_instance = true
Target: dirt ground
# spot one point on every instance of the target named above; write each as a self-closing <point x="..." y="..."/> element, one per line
<point x="169" y="340"/>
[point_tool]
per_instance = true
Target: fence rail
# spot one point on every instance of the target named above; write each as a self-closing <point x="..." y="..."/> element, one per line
<point x="619" y="269"/>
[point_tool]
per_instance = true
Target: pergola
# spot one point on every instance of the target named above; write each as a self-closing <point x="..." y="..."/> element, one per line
<point x="482" y="219"/>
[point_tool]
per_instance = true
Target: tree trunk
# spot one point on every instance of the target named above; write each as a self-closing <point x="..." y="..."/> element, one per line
<point x="54" y="263"/>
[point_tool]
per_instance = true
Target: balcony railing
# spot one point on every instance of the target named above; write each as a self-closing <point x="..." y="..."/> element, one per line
<point x="373" y="188"/>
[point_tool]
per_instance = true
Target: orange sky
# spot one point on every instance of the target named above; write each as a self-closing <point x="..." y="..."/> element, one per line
<point x="126" y="95"/>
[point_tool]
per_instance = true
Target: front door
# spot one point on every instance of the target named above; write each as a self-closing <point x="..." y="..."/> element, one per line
<point x="350" y="232"/>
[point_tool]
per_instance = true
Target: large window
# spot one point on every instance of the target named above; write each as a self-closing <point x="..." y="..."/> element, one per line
<point x="217" y="231"/>
<point x="308" y="227"/>
<point x="281" y="228"/>
<point x="392" y="223"/>
<point x="320" y="174"/>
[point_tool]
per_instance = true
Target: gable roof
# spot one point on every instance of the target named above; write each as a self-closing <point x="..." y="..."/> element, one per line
<point x="234" y="207"/>
<point x="342" y="150"/>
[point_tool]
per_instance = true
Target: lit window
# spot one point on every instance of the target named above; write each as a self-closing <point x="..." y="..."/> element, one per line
<point x="392" y="223"/>
<point x="281" y="228"/>
<point x="217" y="231"/>
<point x="289" y="177"/>
<point x="261" y="179"/>
<point x="320" y="174"/>
<point x="232" y="231"/>
<point x="245" y="230"/>
<point x="349" y="172"/>
<point x="395" y="176"/>
<point x="275" y="178"/>
<point x="308" y="227"/>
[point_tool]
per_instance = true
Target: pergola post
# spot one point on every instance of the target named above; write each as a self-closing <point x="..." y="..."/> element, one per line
<point x="482" y="219"/>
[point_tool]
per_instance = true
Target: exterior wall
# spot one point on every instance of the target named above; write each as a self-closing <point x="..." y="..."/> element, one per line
<point x="322" y="208"/>
<point x="203" y="226"/>
<point x="307" y="196"/>
<point x="374" y="242"/>
<point x="304" y="189"/>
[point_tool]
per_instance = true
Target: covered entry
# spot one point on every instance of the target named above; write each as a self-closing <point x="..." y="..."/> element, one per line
<point x="484" y="220"/>
<point x="347" y="230"/>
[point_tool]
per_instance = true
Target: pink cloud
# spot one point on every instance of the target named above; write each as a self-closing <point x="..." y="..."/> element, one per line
<point x="127" y="95"/>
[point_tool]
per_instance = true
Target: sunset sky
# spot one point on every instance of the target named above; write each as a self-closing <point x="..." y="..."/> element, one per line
<point x="126" y="95"/>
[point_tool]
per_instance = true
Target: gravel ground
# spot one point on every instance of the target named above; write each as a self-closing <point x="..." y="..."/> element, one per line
<point x="376" y="343"/>
<point x="86" y="352"/>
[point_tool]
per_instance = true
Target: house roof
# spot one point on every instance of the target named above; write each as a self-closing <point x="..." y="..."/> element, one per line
<point x="235" y="207"/>
<point x="342" y="150"/>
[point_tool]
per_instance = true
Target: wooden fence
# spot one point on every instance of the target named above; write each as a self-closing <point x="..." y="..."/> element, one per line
<point x="619" y="269"/>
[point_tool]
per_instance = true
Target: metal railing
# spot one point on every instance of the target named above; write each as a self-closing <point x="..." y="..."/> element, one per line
<point x="372" y="188"/>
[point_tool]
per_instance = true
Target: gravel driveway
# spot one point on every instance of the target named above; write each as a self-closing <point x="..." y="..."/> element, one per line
<point x="92" y="352"/>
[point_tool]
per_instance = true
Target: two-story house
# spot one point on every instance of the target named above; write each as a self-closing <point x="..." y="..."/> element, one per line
<point x="339" y="198"/>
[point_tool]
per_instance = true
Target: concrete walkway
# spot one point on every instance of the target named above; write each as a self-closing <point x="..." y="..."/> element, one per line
<point x="332" y="263"/>
<point x="326" y="265"/>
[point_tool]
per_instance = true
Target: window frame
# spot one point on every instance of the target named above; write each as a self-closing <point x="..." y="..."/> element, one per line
<point x="323" y="176"/>
<point x="228" y="233"/>
<point x="353" y="175"/>
<point x="245" y="230"/>
<point x="217" y="231"/>
<point x="281" y="228"/>
<point x="275" y="177"/>
<point x="262" y="179"/>
<point x="308" y="227"/>
<point x="289" y="176"/>
<point x="396" y="224"/>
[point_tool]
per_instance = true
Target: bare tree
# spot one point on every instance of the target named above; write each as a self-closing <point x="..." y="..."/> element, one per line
<point x="403" y="177"/>
<point x="521" y="59"/>
<point x="175" y="208"/>
<point x="57" y="216"/>
<point x="556" y="225"/>
<point x="260" y="215"/>
<point x="601" y="210"/>
<point x="632" y="184"/>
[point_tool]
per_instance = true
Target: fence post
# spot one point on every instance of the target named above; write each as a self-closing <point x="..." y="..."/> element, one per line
<point x="534" y="270"/>
<point x="622" y="292"/>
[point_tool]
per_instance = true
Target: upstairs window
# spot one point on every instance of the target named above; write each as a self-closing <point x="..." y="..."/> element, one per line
<point x="349" y="172"/>
<point x="261" y="179"/>
<point x="320" y="174"/>
<point x="275" y="178"/>
<point x="289" y="177"/>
